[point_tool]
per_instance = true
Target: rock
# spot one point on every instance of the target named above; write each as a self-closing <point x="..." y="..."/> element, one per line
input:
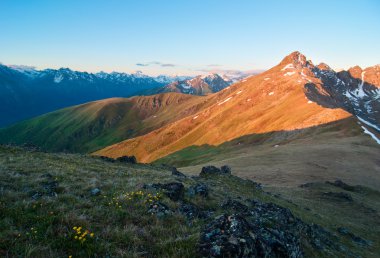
<point x="225" y="169"/>
<point x="47" y="175"/>
<point x="198" y="189"/>
<point x="95" y="191"/>
<point x="108" y="159"/>
<point x="159" y="209"/>
<point x="306" y="185"/>
<point x="175" y="172"/>
<point x="36" y="195"/>
<point x="261" y="230"/>
<point x="175" y="191"/>
<point x="339" y="195"/>
<point x="234" y="205"/>
<point x="191" y="211"/>
<point x="127" y="159"/>
<point x="50" y="187"/>
<point x="212" y="170"/>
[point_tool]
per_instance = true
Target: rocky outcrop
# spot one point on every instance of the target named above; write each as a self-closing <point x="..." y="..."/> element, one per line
<point x="260" y="230"/>
<point x="174" y="190"/>
<point x="212" y="170"/>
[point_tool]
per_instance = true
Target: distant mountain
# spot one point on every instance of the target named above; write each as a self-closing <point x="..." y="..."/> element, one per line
<point x="200" y="85"/>
<point x="26" y="92"/>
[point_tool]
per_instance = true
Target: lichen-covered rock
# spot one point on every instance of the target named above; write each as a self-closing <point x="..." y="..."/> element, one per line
<point x="198" y="189"/>
<point x="95" y="191"/>
<point x="174" y="190"/>
<point x="261" y="230"/>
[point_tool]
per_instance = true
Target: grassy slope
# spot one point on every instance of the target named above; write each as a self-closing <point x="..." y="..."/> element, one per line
<point x="43" y="228"/>
<point x="338" y="150"/>
<point x="91" y="126"/>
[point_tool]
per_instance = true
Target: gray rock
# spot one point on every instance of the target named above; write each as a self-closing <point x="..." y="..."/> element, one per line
<point x="175" y="191"/>
<point x="212" y="170"/>
<point x="175" y="172"/>
<point x="95" y="191"/>
<point x="127" y="159"/>
<point x="198" y="189"/>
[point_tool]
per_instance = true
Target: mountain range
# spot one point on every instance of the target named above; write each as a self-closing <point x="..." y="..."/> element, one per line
<point x="199" y="85"/>
<point x="293" y="95"/>
<point x="26" y="92"/>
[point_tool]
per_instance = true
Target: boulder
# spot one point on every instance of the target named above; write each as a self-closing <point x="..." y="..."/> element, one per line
<point x="175" y="172"/>
<point x="175" y="191"/>
<point x="212" y="170"/>
<point x="95" y="191"/>
<point x="108" y="159"/>
<point x="127" y="159"/>
<point x="225" y="169"/>
<point x="198" y="189"/>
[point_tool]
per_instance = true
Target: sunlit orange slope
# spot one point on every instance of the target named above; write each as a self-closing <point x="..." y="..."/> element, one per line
<point x="272" y="101"/>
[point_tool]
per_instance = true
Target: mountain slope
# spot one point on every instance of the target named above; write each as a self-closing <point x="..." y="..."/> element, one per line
<point x="272" y="101"/>
<point x="26" y="92"/>
<point x="200" y="85"/>
<point x="287" y="159"/>
<point x="135" y="210"/>
<point x="91" y="126"/>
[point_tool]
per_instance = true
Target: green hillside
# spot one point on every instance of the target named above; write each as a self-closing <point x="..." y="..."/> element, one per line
<point x="91" y="126"/>
<point x="49" y="203"/>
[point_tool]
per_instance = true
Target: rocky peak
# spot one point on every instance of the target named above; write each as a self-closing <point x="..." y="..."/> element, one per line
<point x="324" y="67"/>
<point x="295" y="58"/>
<point x="355" y="71"/>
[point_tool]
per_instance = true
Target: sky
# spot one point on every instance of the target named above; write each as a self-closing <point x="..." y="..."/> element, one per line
<point x="187" y="37"/>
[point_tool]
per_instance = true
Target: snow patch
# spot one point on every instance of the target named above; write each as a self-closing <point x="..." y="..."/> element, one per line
<point x="288" y="66"/>
<point x="368" y="123"/>
<point x="224" y="101"/>
<point x="240" y="91"/>
<point x="195" y="117"/>
<point x="309" y="102"/>
<point x="270" y="93"/>
<point x="289" y="73"/>
<point x="248" y="100"/>
<point x="371" y="134"/>
<point x="58" y="78"/>
<point x="265" y="79"/>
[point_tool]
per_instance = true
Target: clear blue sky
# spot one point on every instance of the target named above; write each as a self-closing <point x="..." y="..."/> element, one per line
<point x="187" y="37"/>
